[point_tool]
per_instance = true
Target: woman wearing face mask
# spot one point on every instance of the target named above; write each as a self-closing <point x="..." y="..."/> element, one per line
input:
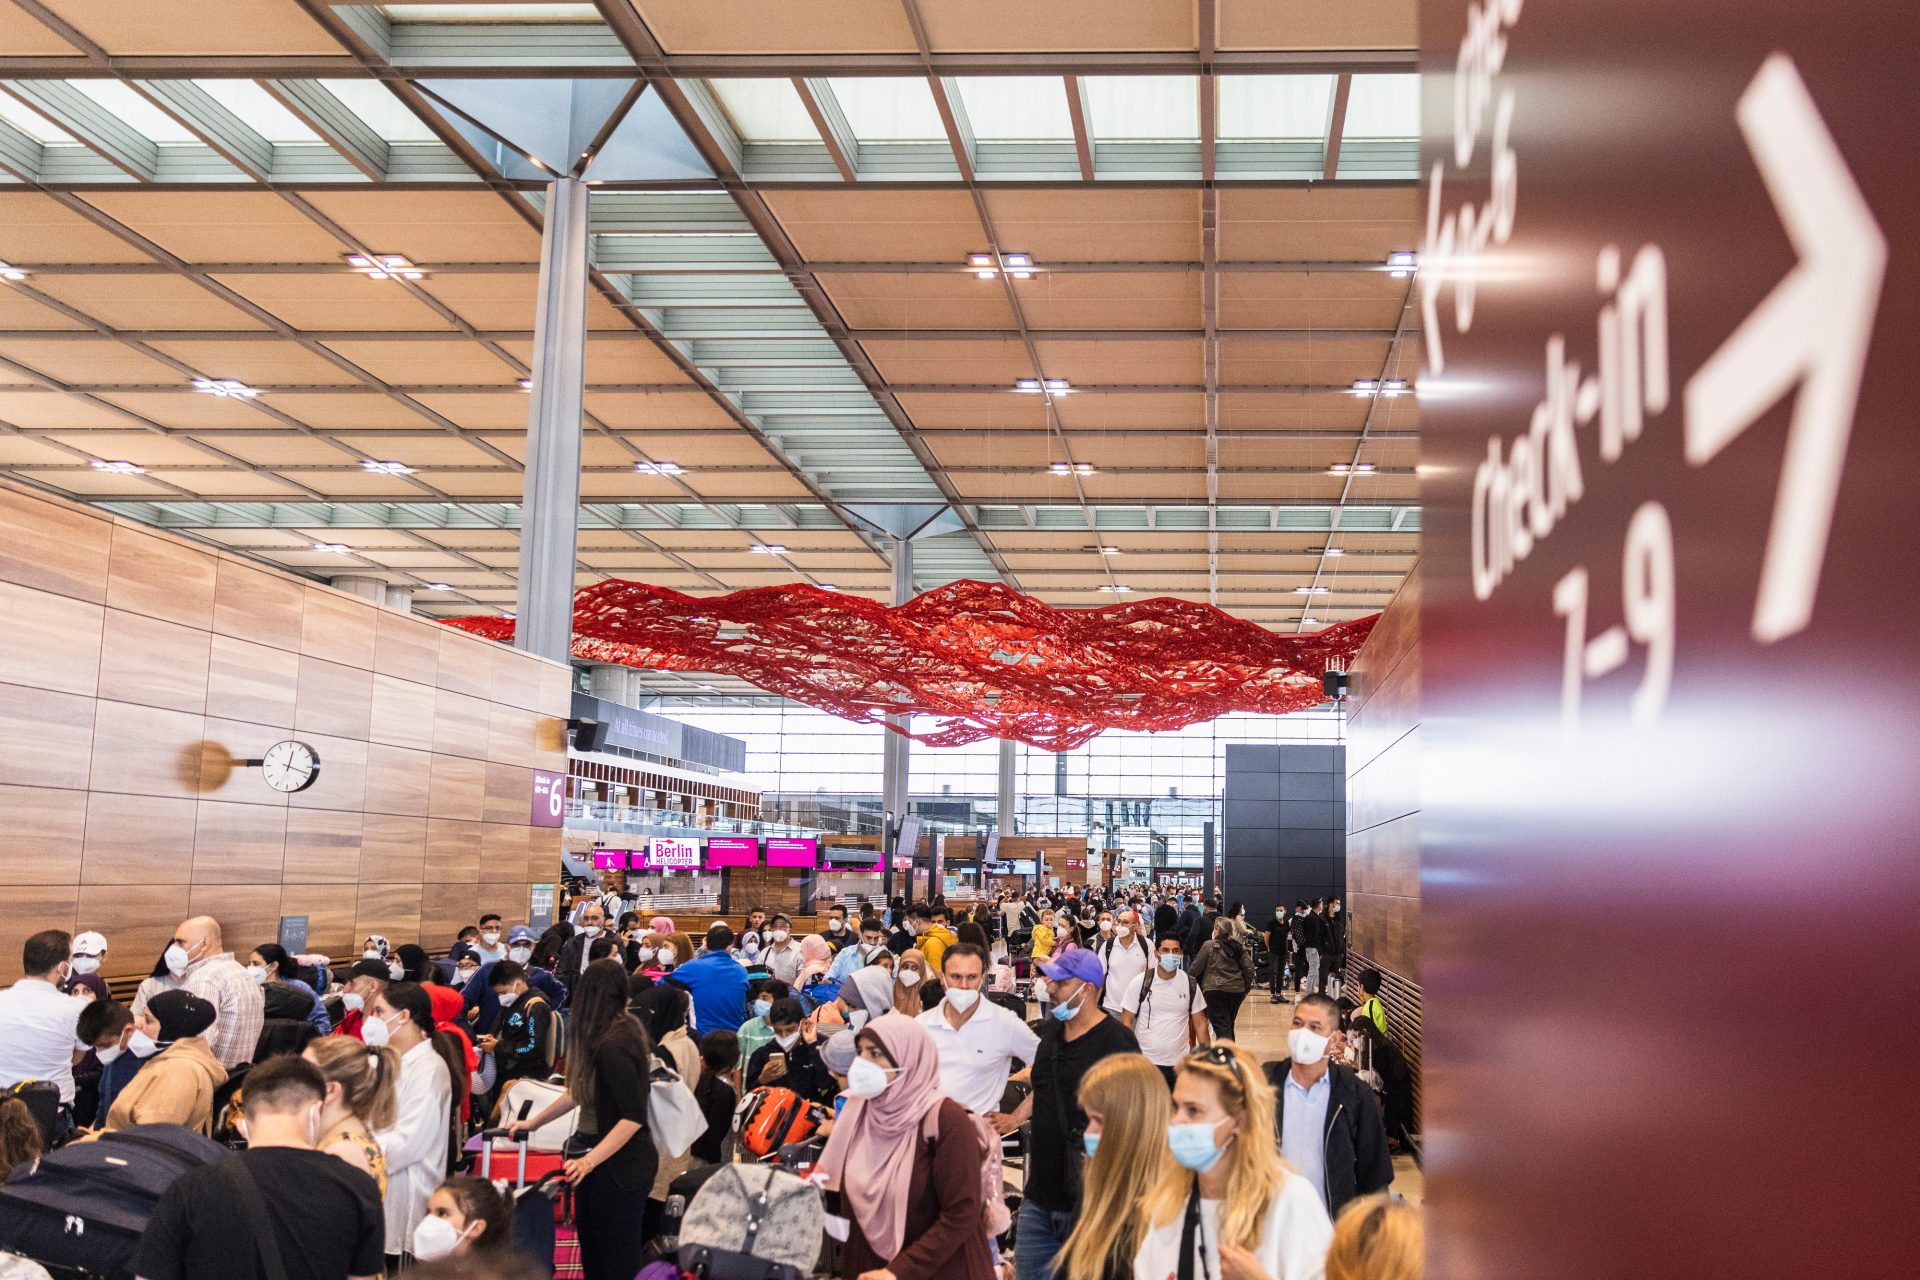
<point x="1252" y="1218"/>
<point x="910" y="983"/>
<point x="432" y="1077"/>
<point x="464" y="1215"/>
<point x="906" y="1161"/>
<point x="160" y="979"/>
<point x="359" y="1102"/>
<point x="608" y="1066"/>
<point x="1126" y="1102"/>
<point x="665" y="1018"/>
<point x="285" y="995"/>
<point x="176" y="1086"/>
<point x="676" y="949"/>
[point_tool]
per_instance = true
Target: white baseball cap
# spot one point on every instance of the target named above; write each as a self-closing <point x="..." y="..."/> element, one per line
<point x="89" y="944"/>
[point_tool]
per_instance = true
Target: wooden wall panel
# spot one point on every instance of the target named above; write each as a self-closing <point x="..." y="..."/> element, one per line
<point x="137" y="670"/>
<point x="49" y="641"/>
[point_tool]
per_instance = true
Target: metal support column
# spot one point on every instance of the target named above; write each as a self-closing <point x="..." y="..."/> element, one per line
<point x="894" y="750"/>
<point x="550" y="507"/>
<point x="1008" y="818"/>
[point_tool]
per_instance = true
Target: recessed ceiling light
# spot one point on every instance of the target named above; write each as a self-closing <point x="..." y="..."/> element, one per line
<point x="1351" y="469"/>
<point x="828" y="586"/>
<point x="225" y="387"/>
<point x="1071" y="468"/>
<point x="1312" y="591"/>
<point x="1333" y="551"/>
<point x="118" y="468"/>
<point x="438" y="586"/>
<point x="1310" y="621"/>
<point x="1116" y="587"/>
<point x="332" y="548"/>
<point x="1400" y="265"/>
<point x="659" y="468"/>
<point x="385" y="266"/>
<point x="1027" y="384"/>
<point x="10" y="272"/>
<point x="388" y="468"/>
<point x="1108" y="551"/>
<point x="1059" y="384"/>
<point x="526" y="384"/>
<point x="1017" y="259"/>
<point x="767" y="549"/>
<point x="986" y="273"/>
<point x="980" y="260"/>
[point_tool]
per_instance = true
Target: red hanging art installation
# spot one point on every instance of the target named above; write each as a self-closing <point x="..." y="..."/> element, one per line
<point x="982" y="659"/>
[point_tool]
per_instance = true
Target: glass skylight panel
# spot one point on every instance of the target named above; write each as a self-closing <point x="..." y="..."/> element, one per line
<point x="376" y="106"/>
<point x="134" y="111"/>
<point x="1016" y="108"/>
<point x="1384" y="106"/>
<point x="31" y="122"/>
<point x="1274" y="106"/>
<point x="491" y="12"/>
<point x="766" y="110"/>
<point x="889" y="109"/>
<point x="258" y="110"/>
<point x="1143" y="108"/>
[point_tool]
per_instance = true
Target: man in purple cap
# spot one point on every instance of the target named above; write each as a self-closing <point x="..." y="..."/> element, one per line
<point x="1079" y="1033"/>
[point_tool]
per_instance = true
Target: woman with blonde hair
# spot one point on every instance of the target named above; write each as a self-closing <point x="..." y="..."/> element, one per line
<point x="1377" y="1238"/>
<point x="1126" y="1101"/>
<point x="361" y="1090"/>
<point x="1248" y="1215"/>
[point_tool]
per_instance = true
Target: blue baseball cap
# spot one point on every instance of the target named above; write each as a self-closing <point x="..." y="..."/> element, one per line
<point x="1077" y="962"/>
<point x="522" y="933"/>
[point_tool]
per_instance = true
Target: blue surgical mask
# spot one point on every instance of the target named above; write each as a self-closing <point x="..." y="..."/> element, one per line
<point x="1194" y="1147"/>
<point x="1170" y="962"/>
<point x="1065" y="1009"/>
<point x="761" y="1008"/>
<point x="1091" y="1141"/>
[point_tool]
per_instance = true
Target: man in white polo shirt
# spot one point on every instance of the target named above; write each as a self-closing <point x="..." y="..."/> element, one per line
<point x="977" y="1040"/>
<point x="36" y="1021"/>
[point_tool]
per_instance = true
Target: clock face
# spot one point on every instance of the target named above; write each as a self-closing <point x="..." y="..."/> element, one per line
<point x="290" y="766"/>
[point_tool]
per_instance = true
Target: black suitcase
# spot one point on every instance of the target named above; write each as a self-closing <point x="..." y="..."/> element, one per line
<point x="84" y="1206"/>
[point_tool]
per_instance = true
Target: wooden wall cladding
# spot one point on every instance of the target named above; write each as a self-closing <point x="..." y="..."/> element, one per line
<point x="1383" y="788"/>
<point x="137" y="668"/>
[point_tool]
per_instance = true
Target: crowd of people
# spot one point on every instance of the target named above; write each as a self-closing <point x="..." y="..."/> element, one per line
<point x="1151" y="1143"/>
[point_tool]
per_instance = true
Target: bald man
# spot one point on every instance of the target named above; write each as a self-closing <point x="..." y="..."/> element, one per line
<point x="199" y="961"/>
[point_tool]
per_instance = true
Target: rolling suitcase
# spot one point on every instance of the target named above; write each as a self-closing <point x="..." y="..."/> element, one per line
<point x="536" y="1211"/>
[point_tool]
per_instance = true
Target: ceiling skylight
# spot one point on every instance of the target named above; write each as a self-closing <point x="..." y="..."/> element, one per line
<point x="766" y="110"/>
<point x="1274" y="106"/>
<point x="1143" y="108"/>
<point x="1016" y="108"/>
<point x="259" y="110"/>
<point x="376" y="106"/>
<point x="1384" y="106"/>
<point x="889" y="109"/>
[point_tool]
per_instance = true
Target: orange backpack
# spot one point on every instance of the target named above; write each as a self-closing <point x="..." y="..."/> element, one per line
<point x="769" y="1118"/>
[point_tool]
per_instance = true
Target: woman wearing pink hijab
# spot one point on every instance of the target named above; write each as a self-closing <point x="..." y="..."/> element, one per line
<point x="815" y="957"/>
<point x="906" y="1161"/>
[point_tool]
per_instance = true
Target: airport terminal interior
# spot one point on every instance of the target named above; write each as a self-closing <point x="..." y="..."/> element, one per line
<point x="625" y="622"/>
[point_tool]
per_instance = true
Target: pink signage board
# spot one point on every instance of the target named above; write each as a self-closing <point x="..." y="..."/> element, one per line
<point x="785" y="851"/>
<point x="672" y="853"/>
<point x="610" y="859"/>
<point x="733" y="851"/>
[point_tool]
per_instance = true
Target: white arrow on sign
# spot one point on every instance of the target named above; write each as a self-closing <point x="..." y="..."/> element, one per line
<point x="1812" y="330"/>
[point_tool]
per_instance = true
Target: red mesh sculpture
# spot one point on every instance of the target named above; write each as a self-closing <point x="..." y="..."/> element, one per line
<point x="980" y="657"/>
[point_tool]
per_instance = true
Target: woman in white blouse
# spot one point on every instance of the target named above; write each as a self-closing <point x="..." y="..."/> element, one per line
<point x="416" y="1143"/>
<point x="1252" y="1217"/>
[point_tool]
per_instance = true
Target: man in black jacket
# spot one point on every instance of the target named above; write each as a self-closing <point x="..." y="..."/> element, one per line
<point x="1166" y="920"/>
<point x="1327" y="1122"/>
<point x="1276" y="931"/>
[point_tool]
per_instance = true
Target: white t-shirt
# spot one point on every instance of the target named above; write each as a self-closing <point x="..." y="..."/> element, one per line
<point x="1124" y="961"/>
<point x="976" y="1059"/>
<point x="1293" y="1238"/>
<point x="1160" y="1025"/>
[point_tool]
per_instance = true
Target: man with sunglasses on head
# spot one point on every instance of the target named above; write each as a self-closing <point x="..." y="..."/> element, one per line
<point x="1079" y="1033"/>
<point x="1326" y="1120"/>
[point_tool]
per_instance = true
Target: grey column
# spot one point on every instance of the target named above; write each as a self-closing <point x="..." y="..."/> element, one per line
<point x="894" y="752"/>
<point x="549" y="510"/>
<point x="1009" y="816"/>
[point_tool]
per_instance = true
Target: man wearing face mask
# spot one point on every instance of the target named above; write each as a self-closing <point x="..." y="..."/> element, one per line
<point x="978" y="1041"/>
<point x="365" y="983"/>
<point x="523" y="1046"/>
<point x="782" y="956"/>
<point x="1079" y="1033"/>
<point x="478" y="992"/>
<point x="872" y="942"/>
<point x="489" y="947"/>
<point x="89" y="949"/>
<point x="792" y="1060"/>
<point x="315" y="1213"/>
<point x="200" y="963"/>
<point x="836" y="934"/>
<point x="1124" y="955"/>
<point x="1327" y="1121"/>
<point x="573" y="956"/>
<point x="1165" y="1010"/>
<point x="36" y="1021"/>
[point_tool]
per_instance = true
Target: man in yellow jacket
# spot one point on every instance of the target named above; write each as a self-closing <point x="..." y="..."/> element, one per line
<point x="935" y="936"/>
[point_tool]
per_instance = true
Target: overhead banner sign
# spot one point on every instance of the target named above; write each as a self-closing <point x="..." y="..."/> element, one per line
<point x="668" y="853"/>
<point x="610" y="859"/>
<point x="786" y="851"/>
<point x="1666" y="324"/>
<point x="733" y="851"/>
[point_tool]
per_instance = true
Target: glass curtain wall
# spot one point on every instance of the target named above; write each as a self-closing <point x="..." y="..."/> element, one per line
<point x="1148" y="793"/>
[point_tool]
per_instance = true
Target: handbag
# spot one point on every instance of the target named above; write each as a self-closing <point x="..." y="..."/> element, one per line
<point x="673" y="1114"/>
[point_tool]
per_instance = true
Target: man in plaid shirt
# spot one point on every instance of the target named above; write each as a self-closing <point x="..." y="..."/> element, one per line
<point x="199" y="962"/>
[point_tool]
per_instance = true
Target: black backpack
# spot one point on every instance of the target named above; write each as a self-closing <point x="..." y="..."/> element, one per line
<point x="84" y="1206"/>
